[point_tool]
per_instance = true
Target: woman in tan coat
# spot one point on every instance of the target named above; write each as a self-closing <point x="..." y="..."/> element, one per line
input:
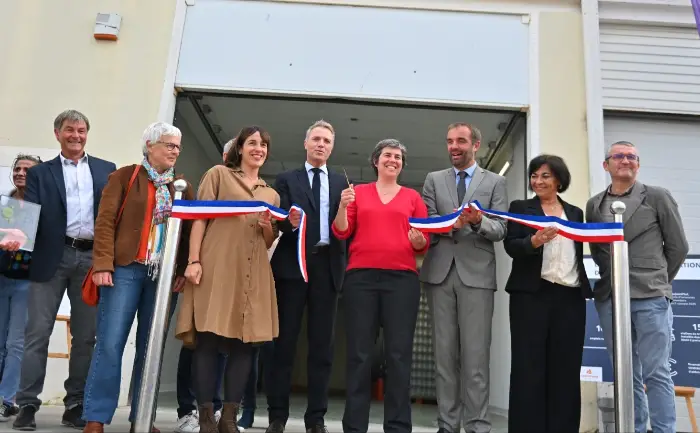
<point x="229" y="300"/>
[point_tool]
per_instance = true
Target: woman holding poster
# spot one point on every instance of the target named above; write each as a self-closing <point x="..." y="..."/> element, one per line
<point x="14" y="293"/>
<point x="548" y="288"/>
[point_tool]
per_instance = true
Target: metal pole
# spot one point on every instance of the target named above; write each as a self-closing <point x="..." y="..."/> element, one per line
<point x="622" y="331"/>
<point x="148" y="394"/>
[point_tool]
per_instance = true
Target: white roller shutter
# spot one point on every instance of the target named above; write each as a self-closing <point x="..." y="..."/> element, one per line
<point x="652" y="69"/>
<point x="669" y="153"/>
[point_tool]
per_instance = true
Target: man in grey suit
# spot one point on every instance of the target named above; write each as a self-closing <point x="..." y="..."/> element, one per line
<point x="459" y="275"/>
<point x="657" y="249"/>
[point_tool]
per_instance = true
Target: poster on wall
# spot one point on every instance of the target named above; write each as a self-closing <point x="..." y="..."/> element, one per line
<point x="685" y="363"/>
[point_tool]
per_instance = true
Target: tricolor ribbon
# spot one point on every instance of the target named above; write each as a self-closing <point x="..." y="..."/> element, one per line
<point x="581" y="232"/>
<point x="209" y="209"/>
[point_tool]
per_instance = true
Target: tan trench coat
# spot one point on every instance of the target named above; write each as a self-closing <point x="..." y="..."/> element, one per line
<point x="236" y="295"/>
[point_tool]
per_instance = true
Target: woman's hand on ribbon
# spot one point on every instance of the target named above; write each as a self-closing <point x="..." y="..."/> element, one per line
<point x="193" y="273"/>
<point x="294" y="217"/>
<point x="417" y="239"/>
<point x="347" y="197"/>
<point x="543" y="236"/>
<point x="102" y="279"/>
<point x="265" y="220"/>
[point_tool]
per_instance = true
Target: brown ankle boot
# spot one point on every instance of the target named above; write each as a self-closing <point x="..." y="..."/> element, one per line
<point x="229" y="419"/>
<point x="94" y="427"/>
<point x="207" y="422"/>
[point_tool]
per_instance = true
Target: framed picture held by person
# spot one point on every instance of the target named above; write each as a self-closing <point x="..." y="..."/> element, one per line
<point x="18" y="222"/>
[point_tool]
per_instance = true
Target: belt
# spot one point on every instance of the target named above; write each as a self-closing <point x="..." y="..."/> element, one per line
<point x="319" y="249"/>
<point x="79" y="244"/>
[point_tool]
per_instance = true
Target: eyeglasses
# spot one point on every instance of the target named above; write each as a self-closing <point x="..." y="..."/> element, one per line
<point x="170" y="146"/>
<point x="621" y="156"/>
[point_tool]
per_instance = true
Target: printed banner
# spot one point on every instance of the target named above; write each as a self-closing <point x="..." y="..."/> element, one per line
<point x="684" y="361"/>
<point x="208" y="209"/>
<point x="582" y="232"/>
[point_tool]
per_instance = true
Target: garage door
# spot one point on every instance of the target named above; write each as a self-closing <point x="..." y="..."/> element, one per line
<point x="652" y="69"/>
<point x="669" y="152"/>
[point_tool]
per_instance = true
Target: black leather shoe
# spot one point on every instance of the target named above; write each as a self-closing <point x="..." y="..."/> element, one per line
<point x="74" y="418"/>
<point x="275" y="427"/>
<point x="320" y="428"/>
<point x="443" y="430"/>
<point x="25" y="419"/>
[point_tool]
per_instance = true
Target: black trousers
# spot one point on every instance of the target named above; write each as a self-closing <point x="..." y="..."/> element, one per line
<point x="321" y="299"/>
<point x="547" y="330"/>
<point x="185" y="394"/>
<point x="390" y="299"/>
<point x="206" y="359"/>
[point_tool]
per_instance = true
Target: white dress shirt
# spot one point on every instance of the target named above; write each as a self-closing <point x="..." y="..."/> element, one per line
<point x="559" y="261"/>
<point x="80" y="200"/>
<point x="325" y="200"/>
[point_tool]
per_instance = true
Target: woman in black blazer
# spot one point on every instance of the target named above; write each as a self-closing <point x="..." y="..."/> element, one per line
<point x="548" y="288"/>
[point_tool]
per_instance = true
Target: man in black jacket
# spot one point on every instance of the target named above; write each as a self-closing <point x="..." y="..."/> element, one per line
<point x="317" y="191"/>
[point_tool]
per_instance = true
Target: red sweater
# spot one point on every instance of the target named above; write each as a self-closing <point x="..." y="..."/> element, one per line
<point x="381" y="230"/>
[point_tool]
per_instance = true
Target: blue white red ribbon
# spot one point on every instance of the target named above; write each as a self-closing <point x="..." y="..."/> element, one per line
<point x="209" y="209"/>
<point x="581" y="232"/>
<point x="439" y="224"/>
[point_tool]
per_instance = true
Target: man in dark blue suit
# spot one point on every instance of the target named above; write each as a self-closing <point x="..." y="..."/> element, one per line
<point x="317" y="190"/>
<point x="68" y="188"/>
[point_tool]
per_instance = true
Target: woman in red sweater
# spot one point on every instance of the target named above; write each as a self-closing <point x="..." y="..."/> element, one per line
<point x="381" y="286"/>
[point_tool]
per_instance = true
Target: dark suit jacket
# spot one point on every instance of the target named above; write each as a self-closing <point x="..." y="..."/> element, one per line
<point x="46" y="187"/>
<point x="293" y="188"/>
<point x="525" y="274"/>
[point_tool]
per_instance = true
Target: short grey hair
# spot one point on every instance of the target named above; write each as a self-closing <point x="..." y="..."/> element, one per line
<point x="70" y="116"/>
<point x="155" y="131"/>
<point x="229" y="145"/>
<point x="320" y="124"/>
<point x="379" y="148"/>
<point x="619" y="143"/>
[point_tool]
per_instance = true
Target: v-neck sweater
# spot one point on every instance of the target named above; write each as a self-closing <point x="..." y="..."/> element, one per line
<point x="380" y="230"/>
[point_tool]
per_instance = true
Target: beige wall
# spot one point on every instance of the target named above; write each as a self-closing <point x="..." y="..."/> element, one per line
<point x="563" y="97"/>
<point x="563" y="126"/>
<point x="51" y="61"/>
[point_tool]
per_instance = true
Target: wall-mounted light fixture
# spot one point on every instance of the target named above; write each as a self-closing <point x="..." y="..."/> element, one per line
<point x="107" y="27"/>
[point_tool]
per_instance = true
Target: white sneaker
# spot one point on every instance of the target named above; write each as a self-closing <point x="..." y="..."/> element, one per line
<point x="217" y="416"/>
<point x="188" y="423"/>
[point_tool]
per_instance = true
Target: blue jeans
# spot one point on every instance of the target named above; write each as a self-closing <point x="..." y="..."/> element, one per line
<point x="652" y="320"/>
<point x="133" y="294"/>
<point x="13" y="319"/>
<point x="266" y="350"/>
